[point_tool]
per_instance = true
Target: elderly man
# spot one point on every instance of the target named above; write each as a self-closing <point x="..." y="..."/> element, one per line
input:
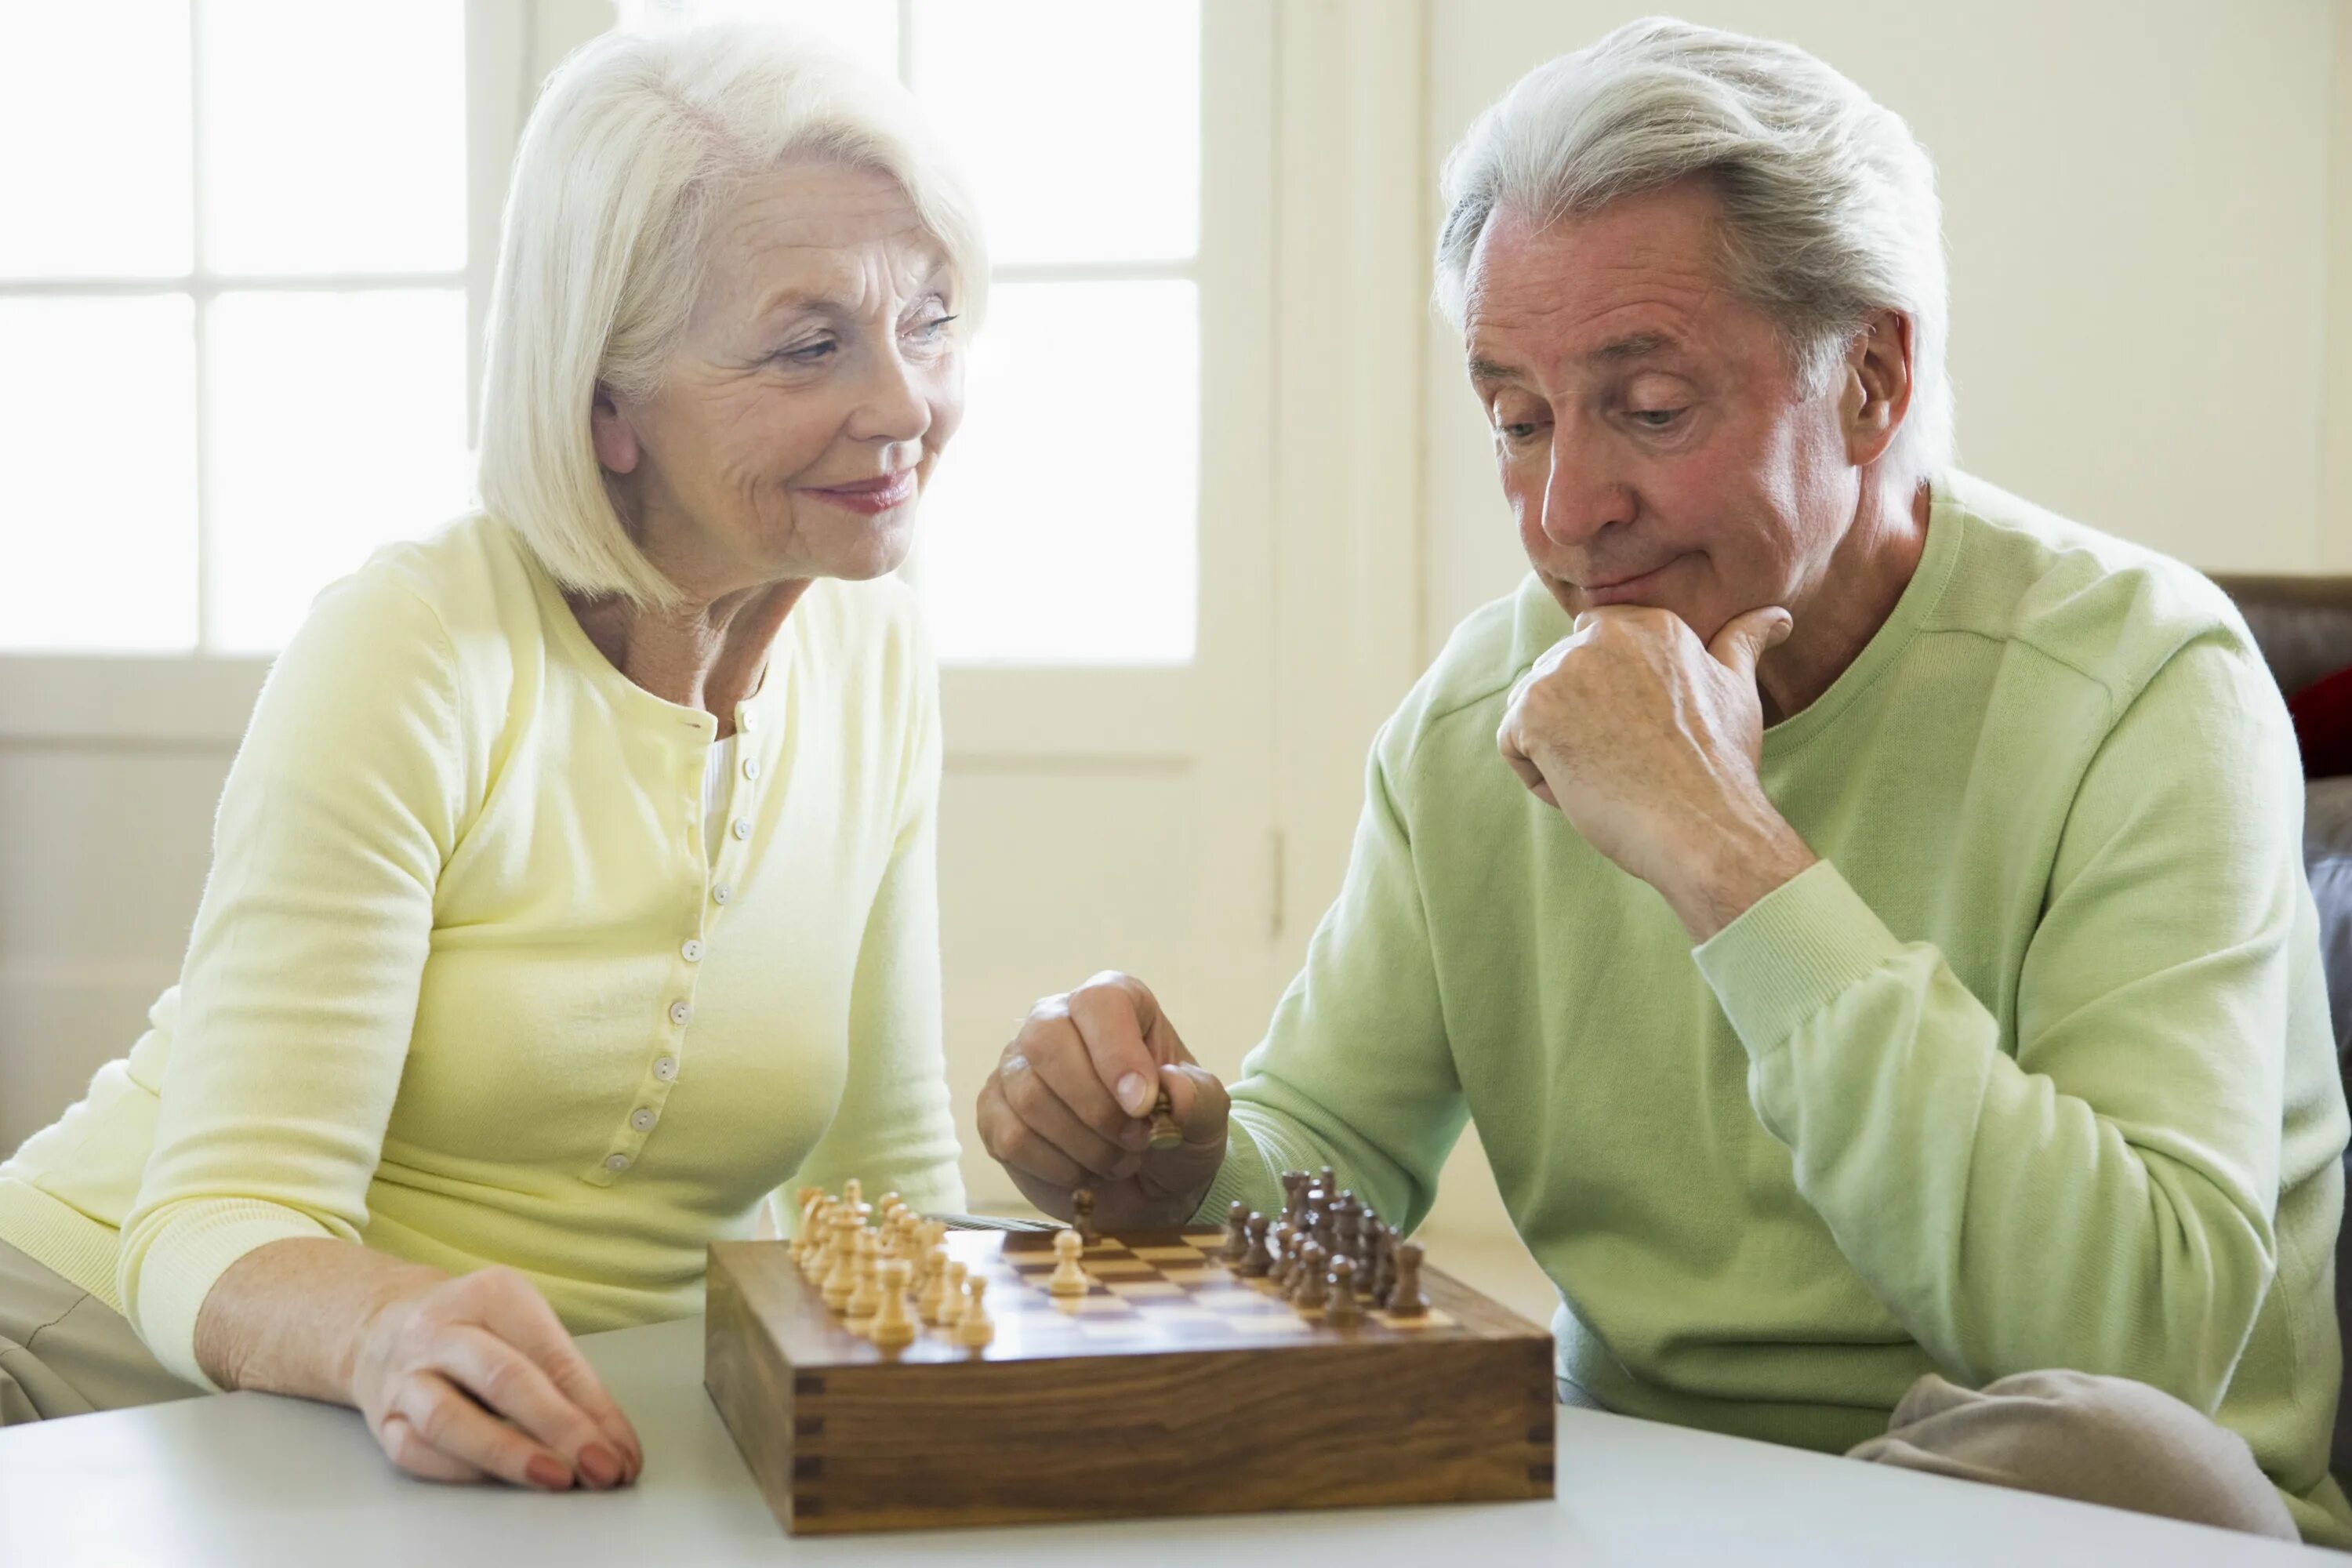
<point x="1878" y="962"/>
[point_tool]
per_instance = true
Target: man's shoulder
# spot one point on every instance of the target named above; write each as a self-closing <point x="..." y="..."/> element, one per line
<point x="2113" y="611"/>
<point x="1459" y="698"/>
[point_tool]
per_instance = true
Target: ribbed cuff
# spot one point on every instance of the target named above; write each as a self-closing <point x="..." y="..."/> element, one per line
<point x="179" y="1269"/>
<point x="1792" y="952"/>
<point x="1246" y="1176"/>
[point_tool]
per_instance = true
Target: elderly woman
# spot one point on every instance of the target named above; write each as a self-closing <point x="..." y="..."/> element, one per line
<point x="574" y="889"/>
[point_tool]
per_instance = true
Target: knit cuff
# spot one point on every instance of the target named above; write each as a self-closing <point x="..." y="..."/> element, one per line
<point x="1791" y="953"/>
<point x="1253" y="1159"/>
<point x="185" y="1259"/>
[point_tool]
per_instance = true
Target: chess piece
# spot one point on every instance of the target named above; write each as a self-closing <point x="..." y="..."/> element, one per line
<point x="842" y="1278"/>
<point x="1068" y="1279"/>
<point x="1329" y="1179"/>
<point x="950" y="1308"/>
<point x="1346" y="1226"/>
<point x="973" y="1328"/>
<point x="1308" y="1292"/>
<point x="1082" y="1216"/>
<point x="1258" y="1260"/>
<point x="892" y="1326"/>
<point x="1383" y="1265"/>
<point x="1405" y="1300"/>
<point x="1281" y="1241"/>
<point x="813" y="1247"/>
<point x="1237" y="1245"/>
<point x="853" y="1193"/>
<point x="1293" y="1195"/>
<point x="1165" y="1133"/>
<point x="1340" y="1307"/>
<point x="866" y="1299"/>
<point x="935" y="1284"/>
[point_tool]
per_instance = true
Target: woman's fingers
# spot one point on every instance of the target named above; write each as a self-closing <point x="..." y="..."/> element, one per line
<point x="508" y="1384"/>
<point x="438" y="1415"/>
<point x="420" y="1458"/>
<point x="513" y="1311"/>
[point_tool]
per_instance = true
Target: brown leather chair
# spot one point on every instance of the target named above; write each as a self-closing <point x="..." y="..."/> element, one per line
<point x="2303" y="627"/>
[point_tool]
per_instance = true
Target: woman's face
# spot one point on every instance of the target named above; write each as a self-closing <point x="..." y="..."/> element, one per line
<point x="817" y="379"/>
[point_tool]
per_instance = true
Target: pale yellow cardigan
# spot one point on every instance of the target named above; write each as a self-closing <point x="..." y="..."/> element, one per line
<point x="466" y="987"/>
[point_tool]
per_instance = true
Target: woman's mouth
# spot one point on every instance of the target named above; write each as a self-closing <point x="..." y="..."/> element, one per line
<point x="870" y="497"/>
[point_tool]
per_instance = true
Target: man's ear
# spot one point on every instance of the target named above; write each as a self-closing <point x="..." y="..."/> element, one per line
<point x="1877" y="386"/>
<point x="614" y="437"/>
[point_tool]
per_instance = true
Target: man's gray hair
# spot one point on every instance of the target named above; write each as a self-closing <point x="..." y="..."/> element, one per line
<point x="1829" y="200"/>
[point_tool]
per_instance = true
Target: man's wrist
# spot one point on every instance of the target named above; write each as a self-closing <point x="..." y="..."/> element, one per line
<point x="1745" y="863"/>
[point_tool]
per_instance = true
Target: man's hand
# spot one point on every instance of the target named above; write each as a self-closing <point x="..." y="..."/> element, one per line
<point x="1647" y="741"/>
<point x="1069" y="1106"/>
<point x="475" y="1376"/>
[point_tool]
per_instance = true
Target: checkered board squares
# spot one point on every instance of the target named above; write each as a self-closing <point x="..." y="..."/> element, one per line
<point x="1181" y="1295"/>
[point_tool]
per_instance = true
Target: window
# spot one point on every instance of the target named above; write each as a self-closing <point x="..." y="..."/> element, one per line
<point x="1063" y="528"/>
<point x="232" y="305"/>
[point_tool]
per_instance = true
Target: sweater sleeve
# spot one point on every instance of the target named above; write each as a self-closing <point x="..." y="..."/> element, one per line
<point x="1356" y="1071"/>
<point x="894" y="1129"/>
<point x="299" y="993"/>
<point x="2103" y="1198"/>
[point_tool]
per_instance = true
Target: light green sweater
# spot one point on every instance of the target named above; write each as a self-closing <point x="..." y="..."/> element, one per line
<point x="467" y="986"/>
<point x="2034" y="1070"/>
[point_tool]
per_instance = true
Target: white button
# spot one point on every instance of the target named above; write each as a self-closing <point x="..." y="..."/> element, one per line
<point x="642" y="1120"/>
<point x="721" y="893"/>
<point x="745" y="719"/>
<point x="751" y="767"/>
<point x="679" y="1012"/>
<point x="691" y="949"/>
<point x="617" y="1162"/>
<point x="742" y="828"/>
<point x="664" y="1068"/>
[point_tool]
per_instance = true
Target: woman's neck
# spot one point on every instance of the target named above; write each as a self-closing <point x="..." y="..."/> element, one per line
<point x="710" y="655"/>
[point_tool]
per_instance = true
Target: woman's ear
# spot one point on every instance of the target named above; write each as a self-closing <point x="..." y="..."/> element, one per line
<point x="614" y="437"/>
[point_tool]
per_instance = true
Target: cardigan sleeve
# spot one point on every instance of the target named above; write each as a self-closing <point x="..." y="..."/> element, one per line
<point x="299" y="993"/>
<point x="894" y="1129"/>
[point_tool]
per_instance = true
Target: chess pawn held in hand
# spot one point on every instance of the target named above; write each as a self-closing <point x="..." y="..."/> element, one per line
<point x="1082" y="1215"/>
<point x="1068" y="1279"/>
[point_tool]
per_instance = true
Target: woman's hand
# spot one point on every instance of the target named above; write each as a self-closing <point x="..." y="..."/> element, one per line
<point x="476" y="1376"/>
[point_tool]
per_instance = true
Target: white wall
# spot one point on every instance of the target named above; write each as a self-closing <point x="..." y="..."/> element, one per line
<point x="2137" y="201"/>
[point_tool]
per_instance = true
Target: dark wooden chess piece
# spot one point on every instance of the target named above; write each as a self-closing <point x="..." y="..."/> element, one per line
<point x="1294" y="1193"/>
<point x="1258" y="1259"/>
<point x="1341" y="1309"/>
<point x="1280" y="1241"/>
<point x="1384" y="1241"/>
<point x="1237" y="1245"/>
<point x="1309" y="1286"/>
<point x="1405" y="1300"/>
<point x="1082" y="1216"/>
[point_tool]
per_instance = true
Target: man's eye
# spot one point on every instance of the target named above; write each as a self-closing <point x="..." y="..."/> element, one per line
<point x="1517" y="431"/>
<point x="1656" y="419"/>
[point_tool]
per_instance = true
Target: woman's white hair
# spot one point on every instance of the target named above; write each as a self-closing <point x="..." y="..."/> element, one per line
<point x="637" y="142"/>
<point x="1829" y="200"/>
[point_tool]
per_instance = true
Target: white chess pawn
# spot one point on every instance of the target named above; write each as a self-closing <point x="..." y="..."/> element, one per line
<point x="892" y="1326"/>
<point x="842" y="1278"/>
<point x="866" y="1300"/>
<point x="935" y="1284"/>
<point x="951" y="1307"/>
<point x="853" y="1191"/>
<point x="973" y="1328"/>
<point x="1068" y="1279"/>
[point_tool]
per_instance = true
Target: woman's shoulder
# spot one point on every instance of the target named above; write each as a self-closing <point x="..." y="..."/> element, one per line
<point x="871" y="631"/>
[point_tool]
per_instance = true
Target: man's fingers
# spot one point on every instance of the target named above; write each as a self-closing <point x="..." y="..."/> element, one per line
<point x="1051" y="1047"/>
<point x="1112" y="1018"/>
<point x="1035" y="1096"/>
<point x="1200" y="1104"/>
<point x="1745" y="637"/>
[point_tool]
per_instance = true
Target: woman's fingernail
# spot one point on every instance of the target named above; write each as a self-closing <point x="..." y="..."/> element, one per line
<point x="1134" y="1094"/>
<point x="548" y="1473"/>
<point x="599" y="1465"/>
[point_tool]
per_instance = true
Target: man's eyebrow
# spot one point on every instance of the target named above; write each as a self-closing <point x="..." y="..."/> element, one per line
<point x="1483" y="370"/>
<point x="1641" y="345"/>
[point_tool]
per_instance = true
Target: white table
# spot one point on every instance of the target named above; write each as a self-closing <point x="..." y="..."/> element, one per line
<point x="250" y="1480"/>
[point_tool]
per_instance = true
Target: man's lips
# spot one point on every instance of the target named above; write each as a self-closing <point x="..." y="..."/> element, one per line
<point x="1623" y="590"/>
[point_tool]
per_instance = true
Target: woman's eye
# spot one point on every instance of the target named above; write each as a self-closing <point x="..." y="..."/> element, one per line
<point x="932" y="327"/>
<point x="808" y="353"/>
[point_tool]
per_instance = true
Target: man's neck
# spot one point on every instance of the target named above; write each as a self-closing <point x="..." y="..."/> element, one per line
<point x="1867" y="573"/>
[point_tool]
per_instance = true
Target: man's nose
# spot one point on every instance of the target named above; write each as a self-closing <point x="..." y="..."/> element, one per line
<point x="1582" y="494"/>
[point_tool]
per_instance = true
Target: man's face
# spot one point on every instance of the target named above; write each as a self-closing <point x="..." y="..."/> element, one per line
<point x="1653" y="436"/>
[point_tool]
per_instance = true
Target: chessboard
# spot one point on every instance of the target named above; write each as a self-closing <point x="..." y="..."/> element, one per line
<point x="1169" y="1383"/>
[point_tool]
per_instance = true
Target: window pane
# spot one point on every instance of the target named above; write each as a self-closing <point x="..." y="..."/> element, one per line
<point x="333" y="136"/>
<point x="97" y="536"/>
<point x="94" y="116"/>
<point x="866" y="30"/>
<point x="1078" y="122"/>
<point x="336" y="423"/>
<point x="1060" y="526"/>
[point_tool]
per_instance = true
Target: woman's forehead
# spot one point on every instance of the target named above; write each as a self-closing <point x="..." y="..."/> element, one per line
<point x="811" y="232"/>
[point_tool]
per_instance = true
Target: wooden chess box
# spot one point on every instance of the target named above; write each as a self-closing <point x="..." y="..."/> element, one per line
<point x="1172" y="1386"/>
